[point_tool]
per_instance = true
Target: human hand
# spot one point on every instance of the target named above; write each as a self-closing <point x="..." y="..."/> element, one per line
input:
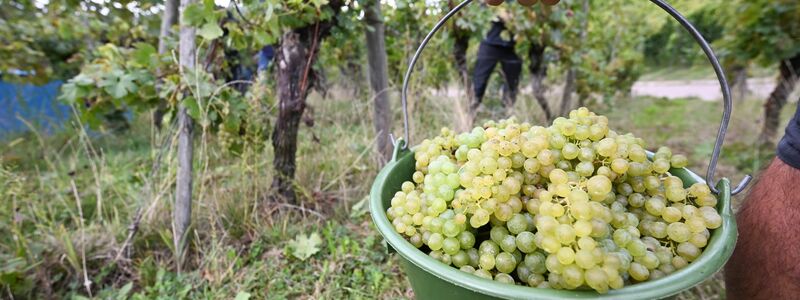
<point x="523" y="2"/>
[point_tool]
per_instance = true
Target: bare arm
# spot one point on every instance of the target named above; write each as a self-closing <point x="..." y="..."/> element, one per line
<point x="766" y="262"/>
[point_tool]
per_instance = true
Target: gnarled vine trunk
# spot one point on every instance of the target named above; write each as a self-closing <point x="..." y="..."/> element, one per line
<point x="295" y="55"/>
<point x="570" y="86"/>
<point x="787" y="80"/>
<point x="292" y="61"/>
<point x="538" y="70"/>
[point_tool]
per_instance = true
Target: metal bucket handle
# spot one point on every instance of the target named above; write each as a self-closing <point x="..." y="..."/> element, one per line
<point x="723" y="82"/>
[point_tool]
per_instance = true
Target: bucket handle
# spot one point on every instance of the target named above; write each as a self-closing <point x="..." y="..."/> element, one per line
<point x="712" y="58"/>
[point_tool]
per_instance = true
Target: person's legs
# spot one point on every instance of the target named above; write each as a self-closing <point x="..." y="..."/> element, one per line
<point x="484" y="65"/>
<point x="766" y="261"/>
<point x="511" y="71"/>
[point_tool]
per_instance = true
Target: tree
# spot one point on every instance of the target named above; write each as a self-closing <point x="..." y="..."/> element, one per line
<point x="766" y="32"/>
<point x="569" y="86"/>
<point x="461" y="35"/>
<point x="378" y="76"/>
<point x="182" y="212"/>
<point x="788" y="70"/>
<point x="168" y="19"/>
<point x="538" y="69"/>
<point x="50" y="40"/>
<point x="296" y="54"/>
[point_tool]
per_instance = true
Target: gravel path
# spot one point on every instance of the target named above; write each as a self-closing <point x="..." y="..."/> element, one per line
<point x="703" y="89"/>
<point x="707" y="90"/>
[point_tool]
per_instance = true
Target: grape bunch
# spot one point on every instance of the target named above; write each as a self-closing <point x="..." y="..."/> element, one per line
<point x="571" y="206"/>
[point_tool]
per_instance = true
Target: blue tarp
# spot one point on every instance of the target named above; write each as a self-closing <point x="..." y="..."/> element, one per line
<point x="35" y="104"/>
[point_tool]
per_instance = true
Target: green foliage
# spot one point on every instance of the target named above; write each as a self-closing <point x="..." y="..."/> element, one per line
<point x="763" y="31"/>
<point x="166" y="285"/>
<point x="607" y="60"/>
<point x="117" y="78"/>
<point x="304" y="246"/>
<point x="742" y="31"/>
<point x="52" y="39"/>
<point x="672" y="45"/>
<point x="406" y="26"/>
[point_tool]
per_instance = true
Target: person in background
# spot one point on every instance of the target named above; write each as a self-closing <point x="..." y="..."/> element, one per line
<point x="497" y="47"/>
<point x="265" y="57"/>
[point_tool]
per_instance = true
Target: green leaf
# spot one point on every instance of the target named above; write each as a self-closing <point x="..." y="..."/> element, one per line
<point x="122" y="87"/>
<point x="200" y="82"/>
<point x="232" y="123"/>
<point x="242" y="296"/>
<point x="263" y="38"/>
<point x="319" y="3"/>
<point x="304" y="246"/>
<point x="194" y="15"/>
<point x="124" y="291"/>
<point x="82" y="80"/>
<point x="209" y="5"/>
<point x="69" y="92"/>
<point x="192" y="108"/>
<point x="360" y="208"/>
<point x="210" y="31"/>
<point x="144" y="54"/>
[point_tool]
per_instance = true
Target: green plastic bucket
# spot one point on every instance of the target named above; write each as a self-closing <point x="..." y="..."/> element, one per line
<point x="431" y="279"/>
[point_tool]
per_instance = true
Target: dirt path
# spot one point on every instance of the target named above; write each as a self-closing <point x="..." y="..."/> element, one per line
<point x="703" y="89"/>
<point x="707" y="90"/>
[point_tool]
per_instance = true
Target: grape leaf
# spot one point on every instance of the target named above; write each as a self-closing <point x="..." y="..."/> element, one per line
<point x="304" y="246"/>
<point x="242" y="296"/>
<point x="192" y="108"/>
<point x="69" y="93"/>
<point x="194" y="14"/>
<point x="144" y="54"/>
<point x="210" y="31"/>
<point x="118" y="84"/>
<point x="82" y="80"/>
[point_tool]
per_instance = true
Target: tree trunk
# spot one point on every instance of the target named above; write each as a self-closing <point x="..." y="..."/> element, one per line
<point x="460" y="47"/>
<point x="182" y="213"/>
<point x="739" y="86"/>
<point x="538" y="70"/>
<point x="460" y="55"/>
<point x="787" y="79"/>
<point x="168" y="19"/>
<point x="569" y="87"/>
<point x="295" y="55"/>
<point x="292" y="61"/>
<point x="379" y="77"/>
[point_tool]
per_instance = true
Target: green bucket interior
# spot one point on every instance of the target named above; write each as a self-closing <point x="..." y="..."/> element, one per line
<point x="432" y="279"/>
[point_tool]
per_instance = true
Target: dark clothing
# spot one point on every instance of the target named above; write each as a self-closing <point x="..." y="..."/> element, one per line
<point x="265" y="57"/>
<point x="511" y="65"/>
<point x="789" y="146"/>
<point x="494" y="37"/>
